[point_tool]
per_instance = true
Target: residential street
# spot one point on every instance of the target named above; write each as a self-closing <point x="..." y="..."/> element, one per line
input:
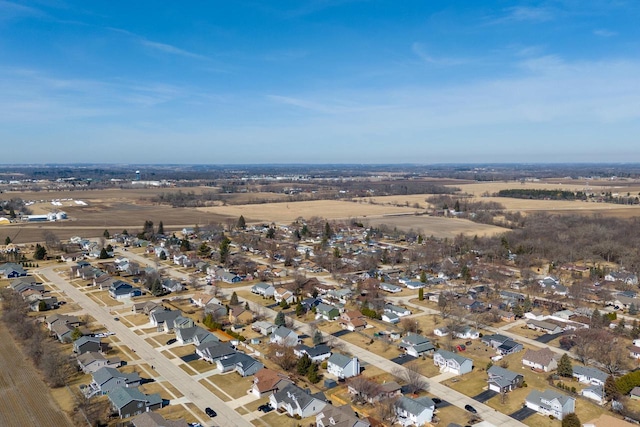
<point x="194" y="391"/>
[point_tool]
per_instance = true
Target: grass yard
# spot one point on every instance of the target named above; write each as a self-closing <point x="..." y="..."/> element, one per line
<point x="253" y="406"/>
<point x="176" y="412"/>
<point x="184" y="350"/>
<point x="378" y="347"/>
<point x="202" y="366"/>
<point x="135" y="319"/>
<point x="151" y="388"/>
<point x="451" y="414"/>
<point x="215" y="390"/>
<point x="232" y="383"/>
<point x="283" y="420"/>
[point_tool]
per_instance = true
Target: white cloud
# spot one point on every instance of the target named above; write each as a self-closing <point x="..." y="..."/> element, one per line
<point x="158" y="46"/>
<point x="518" y="14"/>
<point x="604" y="33"/>
<point x="419" y="50"/>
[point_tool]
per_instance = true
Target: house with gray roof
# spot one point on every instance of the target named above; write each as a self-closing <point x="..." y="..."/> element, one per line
<point x="397" y="310"/>
<point x="452" y="362"/>
<point x="595" y="393"/>
<point x="550" y="402"/>
<point x="317" y="354"/>
<point x="546" y="327"/>
<point x="194" y="333"/>
<point x="158" y="318"/>
<point x="543" y="359"/>
<point x="502" y="380"/>
<point x="589" y="375"/>
<point x="340" y="416"/>
<point x="11" y="269"/>
<point x="284" y="336"/>
<point x="212" y="351"/>
<point x="416" y="345"/>
<point x="153" y="419"/>
<point x="92" y="361"/>
<point x="390" y="317"/>
<point x="131" y="401"/>
<point x="509" y="347"/>
<point x="262" y="327"/>
<point x="296" y="401"/>
<point x="243" y="364"/>
<point x="264" y="289"/>
<point x="343" y="366"/>
<point x="327" y="312"/>
<point x="107" y="379"/>
<point x="62" y="331"/>
<point x="414" y="412"/>
<point x="86" y="344"/>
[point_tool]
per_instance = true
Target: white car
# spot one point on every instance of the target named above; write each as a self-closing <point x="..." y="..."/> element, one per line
<point x="496" y="358"/>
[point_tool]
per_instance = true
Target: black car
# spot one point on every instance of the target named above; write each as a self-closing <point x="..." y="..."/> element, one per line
<point x="210" y="412"/>
<point x="436" y="400"/>
<point x="171" y="341"/>
<point x="265" y="408"/>
<point x="470" y="409"/>
<point x="116" y="318"/>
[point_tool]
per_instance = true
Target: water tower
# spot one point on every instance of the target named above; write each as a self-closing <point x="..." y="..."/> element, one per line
<point x="137" y="175"/>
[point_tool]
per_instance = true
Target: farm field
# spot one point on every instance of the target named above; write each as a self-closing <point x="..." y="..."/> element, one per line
<point x="287" y="212"/>
<point x="437" y="226"/>
<point x="26" y="399"/>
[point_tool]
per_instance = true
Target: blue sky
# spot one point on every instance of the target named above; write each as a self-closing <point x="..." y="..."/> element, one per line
<point x="319" y="81"/>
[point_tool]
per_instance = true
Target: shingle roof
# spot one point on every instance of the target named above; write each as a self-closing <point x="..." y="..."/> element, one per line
<point x="121" y="396"/>
<point x="339" y="360"/>
<point x="415" y="406"/>
<point x="590" y="372"/>
<point x="449" y="355"/>
<point x="542" y="357"/>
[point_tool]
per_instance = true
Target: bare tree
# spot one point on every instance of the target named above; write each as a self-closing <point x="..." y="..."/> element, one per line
<point x="409" y="325"/>
<point x="386" y="410"/>
<point x="283" y="356"/>
<point x="411" y="375"/>
<point x="363" y="389"/>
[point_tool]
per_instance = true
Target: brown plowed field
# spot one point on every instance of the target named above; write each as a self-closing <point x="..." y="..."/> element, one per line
<point x="26" y="400"/>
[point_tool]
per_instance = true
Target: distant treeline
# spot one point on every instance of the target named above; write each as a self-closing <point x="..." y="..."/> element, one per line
<point x="536" y="194"/>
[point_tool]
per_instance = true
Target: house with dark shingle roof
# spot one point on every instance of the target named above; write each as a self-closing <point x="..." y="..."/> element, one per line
<point x="107" y="379"/>
<point x="416" y="345"/>
<point x="316" y="354"/>
<point x="340" y="416"/>
<point x="212" y="351"/>
<point x="90" y="362"/>
<point x="343" y="366"/>
<point x="502" y="380"/>
<point x="153" y="419"/>
<point x="243" y="364"/>
<point x="295" y="401"/>
<point x="543" y="360"/>
<point x="131" y="401"/>
<point x="86" y="344"/>
<point x="589" y="375"/>
<point x="268" y="381"/>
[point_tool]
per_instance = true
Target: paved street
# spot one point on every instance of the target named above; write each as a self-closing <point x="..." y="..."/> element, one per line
<point x="192" y="390"/>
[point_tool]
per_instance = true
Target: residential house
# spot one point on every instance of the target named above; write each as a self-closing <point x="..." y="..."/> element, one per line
<point x="243" y="364"/>
<point x="238" y="315"/>
<point x="327" y="312"/>
<point x="262" y="327"/>
<point x="72" y="321"/>
<point x="106" y="379"/>
<point x="343" y="366"/>
<point x="201" y="299"/>
<point x="131" y="401"/>
<point x="507" y="316"/>
<point x="595" y="393"/>
<point x="542" y="360"/>
<point x="284" y="336"/>
<point x="416" y="345"/>
<point x="92" y="361"/>
<point x="388" y="390"/>
<point x="509" y="347"/>
<point x="467" y="333"/>
<point x="338" y="295"/>
<point x="87" y="344"/>
<point x="414" y="412"/>
<point x="153" y="419"/>
<point x="268" y="381"/>
<point x="634" y="351"/>
<point x="589" y="375"/>
<point x="295" y="401"/>
<point x="414" y="285"/>
<point x="341" y="416"/>
<point x="264" y="289"/>
<point x="550" y="402"/>
<point x="121" y="290"/>
<point x="622" y="276"/>
<point x="352" y="320"/>
<point x="502" y="380"/>
<point x="452" y="362"/>
<point x="441" y="332"/>
<point x="172" y="285"/>
<point x="211" y="351"/>
<point x="193" y="334"/>
<point x="283" y="294"/>
<point x="159" y="318"/>
<point x="10" y="270"/>
<point x="317" y="354"/>
<point x="399" y="311"/>
<point x="146" y="307"/>
<point x="389" y="287"/>
<point x="546" y="327"/>
<point x="62" y="332"/>
<point x="390" y="317"/>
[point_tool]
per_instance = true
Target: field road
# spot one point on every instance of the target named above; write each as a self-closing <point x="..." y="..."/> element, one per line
<point x="193" y="390"/>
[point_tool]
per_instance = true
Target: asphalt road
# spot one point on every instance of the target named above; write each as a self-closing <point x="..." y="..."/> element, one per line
<point x="193" y="390"/>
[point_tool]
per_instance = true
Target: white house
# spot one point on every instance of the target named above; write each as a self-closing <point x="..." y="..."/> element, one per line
<point x="399" y="311"/>
<point x="544" y="359"/>
<point x="342" y="366"/>
<point x="467" y="333"/>
<point x="317" y="354"/>
<point x="452" y="362"/>
<point x="416" y="345"/>
<point x="390" y="317"/>
<point x="415" y="412"/>
<point x="441" y="332"/>
<point x="285" y="336"/>
<point x="595" y="393"/>
<point x="296" y="401"/>
<point x="550" y="402"/>
<point x="589" y="375"/>
<point x="264" y="289"/>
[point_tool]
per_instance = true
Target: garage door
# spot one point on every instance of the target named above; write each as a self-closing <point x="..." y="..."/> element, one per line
<point x="494" y="387"/>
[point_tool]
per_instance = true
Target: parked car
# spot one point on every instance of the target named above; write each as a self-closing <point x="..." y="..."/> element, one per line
<point x="496" y="358"/>
<point x="210" y="412"/>
<point x="171" y="341"/>
<point x="265" y="408"/>
<point x="116" y="318"/>
<point x="470" y="409"/>
<point x="461" y="347"/>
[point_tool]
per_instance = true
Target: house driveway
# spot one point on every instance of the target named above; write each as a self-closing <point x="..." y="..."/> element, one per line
<point x="522" y="414"/>
<point x="485" y="395"/>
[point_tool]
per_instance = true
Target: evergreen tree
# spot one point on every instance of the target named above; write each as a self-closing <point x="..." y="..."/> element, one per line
<point x="163" y="255"/>
<point x="109" y="248"/>
<point x="633" y="310"/>
<point x="518" y="311"/>
<point x="76" y="334"/>
<point x="327" y="231"/>
<point x="571" y="420"/>
<point x="621" y="327"/>
<point x="246" y="306"/>
<point x="299" y="309"/>
<point x="456" y="206"/>
<point x="303" y="364"/>
<point x="103" y="254"/>
<point x="161" y="228"/>
<point x="185" y="245"/>
<point x="40" y="253"/>
<point x="423" y="276"/>
<point x="204" y="250"/>
<point x="527" y="305"/>
<point x="635" y="332"/>
<point x="242" y="223"/>
<point x="421" y="294"/>
<point x="279" y="321"/>
<point x="596" y="319"/>
<point x="125" y="232"/>
<point x="7" y="240"/>
<point x="564" y="366"/>
<point x="284" y="304"/>
<point x="42" y="306"/>
<point x="312" y="374"/>
<point x="420" y="240"/>
<point x="12" y="213"/>
<point x="305" y="230"/>
<point x="271" y="233"/>
<point x="317" y="337"/>
<point x="224" y="249"/>
<point x="106" y="234"/>
<point x="234" y="299"/>
<point x="611" y="391"/>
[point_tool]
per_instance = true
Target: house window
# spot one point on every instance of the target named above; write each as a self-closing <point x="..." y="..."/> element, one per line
<point x="140" y="405"/>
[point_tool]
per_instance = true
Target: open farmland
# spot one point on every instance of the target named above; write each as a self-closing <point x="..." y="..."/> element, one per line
<point x="287" y="212"/>
<point x="26" y="400"/>
<point x="437" y="226"/>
